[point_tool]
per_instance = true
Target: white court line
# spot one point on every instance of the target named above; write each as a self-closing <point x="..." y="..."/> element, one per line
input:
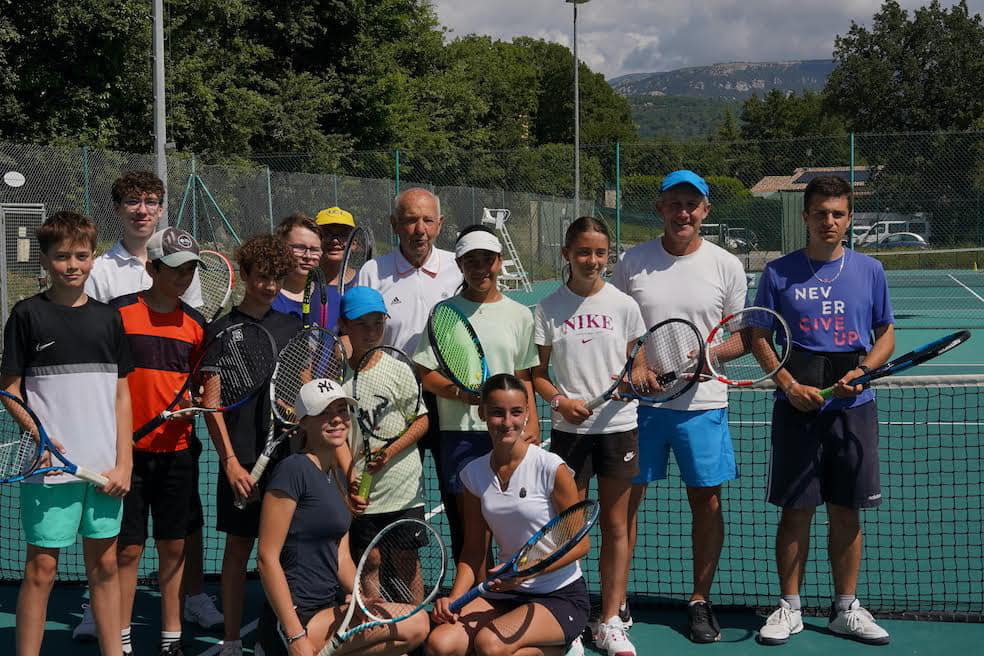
<point x="217" y="647"/>
<point x="975" y="294"/>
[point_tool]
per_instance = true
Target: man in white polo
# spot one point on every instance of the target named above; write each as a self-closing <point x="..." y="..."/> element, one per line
<point x="412" y="279"/>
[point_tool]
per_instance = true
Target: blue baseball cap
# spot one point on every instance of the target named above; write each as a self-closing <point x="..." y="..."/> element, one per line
<point x="685" y="177"/>
<point x="359" y="301"/>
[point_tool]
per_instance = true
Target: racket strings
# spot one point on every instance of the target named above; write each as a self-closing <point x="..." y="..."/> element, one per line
<point x="241" y="363"/>
<point x="312" y="354"/>
<point x="19" y="449"/>
<point x="357" y="254"/>
<point x="555" y="538"/>
<point x="668" y="361"/>
<point x="457" y="348"/>
<point x="216" y="282"/>
<point x="403" y="570"/>
<point x="746" y="347"/>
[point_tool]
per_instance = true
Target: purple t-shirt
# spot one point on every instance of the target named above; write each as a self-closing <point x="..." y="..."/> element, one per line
<point x="836" y="316"/>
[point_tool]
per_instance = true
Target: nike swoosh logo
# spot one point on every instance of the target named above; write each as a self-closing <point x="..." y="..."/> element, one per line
<point x="585" y="341"/>
<point x="629" y="456"/>
<point x="41" y="347"/>
<point x="418" y="534"/>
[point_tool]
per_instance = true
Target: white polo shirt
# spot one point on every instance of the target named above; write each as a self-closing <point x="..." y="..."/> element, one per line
<point x="410" y="292"/>
<point x="117" y="272"/>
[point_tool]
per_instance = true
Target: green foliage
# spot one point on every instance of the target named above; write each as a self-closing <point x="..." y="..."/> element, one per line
<point x="678" y="117"/>
<point x="918" y="71"/>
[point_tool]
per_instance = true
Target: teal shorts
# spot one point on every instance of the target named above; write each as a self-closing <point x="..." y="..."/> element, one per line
<point x="53" y="514"/>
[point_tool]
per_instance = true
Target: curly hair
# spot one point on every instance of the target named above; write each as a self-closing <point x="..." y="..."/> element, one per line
<point x="137" y="182"/>
<point x="71" y="226"/>
<point x="265" y="254"/>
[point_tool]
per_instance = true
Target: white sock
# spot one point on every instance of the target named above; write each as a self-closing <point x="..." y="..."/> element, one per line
<point x="168" y="638"/>
<point x="125" y="637"/>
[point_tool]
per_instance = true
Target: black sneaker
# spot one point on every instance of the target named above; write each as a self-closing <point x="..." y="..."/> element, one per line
<point x="624" y="614"/>
<point x="174" y="649"/>
<point x="703" y="625"/>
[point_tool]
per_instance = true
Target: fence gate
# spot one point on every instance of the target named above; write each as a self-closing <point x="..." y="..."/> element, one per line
<point x="20" y="264"/>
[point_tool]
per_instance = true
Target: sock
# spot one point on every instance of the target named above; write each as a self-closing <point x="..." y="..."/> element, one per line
<point x="125" y="636"/>
<point x="697" y="601"/>
<point x="793" y="601"/>
<point x="843" y="602"/>
<point x="232" y="643"/>
<point x="168" y="638"/>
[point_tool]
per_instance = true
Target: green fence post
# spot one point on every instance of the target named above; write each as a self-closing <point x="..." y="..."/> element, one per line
<point x="87" y="202"/>
<point x="194" y="196"/>
<point x="618" y="199"/>
<point x="334" y="189"/>
<point x="851" y="227"/>
<point x="269" y="197"/>
<point x="396" y="181"/>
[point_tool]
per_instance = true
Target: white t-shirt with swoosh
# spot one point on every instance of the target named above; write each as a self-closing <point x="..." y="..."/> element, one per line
<point x="588" y="336"/>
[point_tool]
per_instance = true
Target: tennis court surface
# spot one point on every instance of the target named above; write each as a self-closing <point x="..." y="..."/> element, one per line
<point x="924" y="546"/>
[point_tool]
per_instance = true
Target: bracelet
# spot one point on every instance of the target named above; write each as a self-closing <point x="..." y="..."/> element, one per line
<point x="292" y="639"/>
<point x="229" y="457"/>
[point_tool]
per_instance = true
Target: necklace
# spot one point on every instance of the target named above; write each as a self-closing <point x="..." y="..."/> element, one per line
<point x="839" y="271"/>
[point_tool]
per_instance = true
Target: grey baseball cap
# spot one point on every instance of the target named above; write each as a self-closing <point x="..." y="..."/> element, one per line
<point x="173" y="247"/>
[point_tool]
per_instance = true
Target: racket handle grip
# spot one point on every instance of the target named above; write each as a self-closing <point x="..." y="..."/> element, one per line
<point x="365" y="485"/>
<point x="91" y="476"/>
<point x="468" y="597"/>
<point x="259" y="467"/>
<point x="595" y="402"/>
<point x="828" y="393"/>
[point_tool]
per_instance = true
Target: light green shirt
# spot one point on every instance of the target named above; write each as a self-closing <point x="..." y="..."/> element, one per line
<point x="505" y="329"/>
<point x="400" y="484"/>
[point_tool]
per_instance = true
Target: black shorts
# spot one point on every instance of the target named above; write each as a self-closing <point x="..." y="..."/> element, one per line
<point x="824" y="457"/>
<point x="365" y="527"/>
<point x="160" y="487"/>
<point x="610" y="455"/>
<point x="270" y="634"/>
<point x="196" y="516"/>
<point x="243" y="523"/>
<point x="569" y="605"/>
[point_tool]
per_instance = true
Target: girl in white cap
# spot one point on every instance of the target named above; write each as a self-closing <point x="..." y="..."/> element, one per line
<point x="505" y="329"/>
<point x="304" y="559"/>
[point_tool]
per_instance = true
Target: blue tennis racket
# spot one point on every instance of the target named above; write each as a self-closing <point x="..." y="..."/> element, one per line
<point x="915" y="357"/>
<point x="546" y="547"/>
<point x="400" y="573"/>
<point x="26" y="450"/>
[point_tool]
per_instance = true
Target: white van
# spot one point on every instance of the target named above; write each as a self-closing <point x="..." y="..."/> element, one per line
<point x="868" y="235"/>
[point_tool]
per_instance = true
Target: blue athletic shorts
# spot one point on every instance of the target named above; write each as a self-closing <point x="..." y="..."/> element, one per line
<point x="700" y="441"/>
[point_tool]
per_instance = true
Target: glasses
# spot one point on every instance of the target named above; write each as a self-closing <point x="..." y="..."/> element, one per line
<point x="149" y="203"/>
<point x="301" y="249"/>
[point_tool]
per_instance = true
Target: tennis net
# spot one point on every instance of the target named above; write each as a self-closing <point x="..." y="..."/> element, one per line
<point x="924" y="546"/>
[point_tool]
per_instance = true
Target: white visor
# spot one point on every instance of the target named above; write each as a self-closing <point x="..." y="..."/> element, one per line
<point x="477" y="241"/>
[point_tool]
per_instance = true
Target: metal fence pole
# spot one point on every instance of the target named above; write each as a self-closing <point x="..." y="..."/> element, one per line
<point x="194" y="195"/>
<point x="269" y="197"/>
<point x="618" y="199"/>
<point x="87" y="199"/>
<point x="851" y="227"/>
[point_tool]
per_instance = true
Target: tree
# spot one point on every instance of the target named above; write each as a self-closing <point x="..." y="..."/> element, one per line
<point x="915" y="72"/>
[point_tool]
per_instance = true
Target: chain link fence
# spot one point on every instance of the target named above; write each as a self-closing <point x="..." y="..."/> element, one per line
<point x="919" y="199"/>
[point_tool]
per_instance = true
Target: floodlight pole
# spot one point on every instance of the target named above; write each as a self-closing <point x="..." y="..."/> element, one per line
<point x="577" y="118"/>
<point x="160" y="124"/>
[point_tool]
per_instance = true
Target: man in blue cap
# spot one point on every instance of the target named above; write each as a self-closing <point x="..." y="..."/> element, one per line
<point x="681" y="275"/>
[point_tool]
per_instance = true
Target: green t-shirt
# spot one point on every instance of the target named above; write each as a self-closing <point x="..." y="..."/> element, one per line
<point x="400" y="484"/>
<point x="505" y="329"/>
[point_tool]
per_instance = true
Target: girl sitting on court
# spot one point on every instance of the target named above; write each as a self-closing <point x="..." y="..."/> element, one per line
<point x="509" y="494"/>
<point x="304" y="560"/>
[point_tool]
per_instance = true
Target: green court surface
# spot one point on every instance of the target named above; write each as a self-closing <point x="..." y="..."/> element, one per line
<point x="924" y="546"/>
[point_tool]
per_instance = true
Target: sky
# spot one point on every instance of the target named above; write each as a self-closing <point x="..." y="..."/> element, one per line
<point x="616" y="37"/>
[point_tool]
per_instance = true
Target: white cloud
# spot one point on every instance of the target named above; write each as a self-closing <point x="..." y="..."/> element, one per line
<point x="630" y="36"/>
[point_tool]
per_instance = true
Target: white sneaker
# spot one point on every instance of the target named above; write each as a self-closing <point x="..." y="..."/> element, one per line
<point x="232" y="648"/>
<point x="201" y="610"/>
<point x="782" y="623"/>
<point x="86" y="630"/>
<point x="857" y="624"/>
<point x="576" y="648"/>
<point x="611" y="637"/>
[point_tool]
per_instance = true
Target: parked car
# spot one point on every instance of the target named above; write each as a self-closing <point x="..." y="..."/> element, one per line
<point x="900" y="240"/>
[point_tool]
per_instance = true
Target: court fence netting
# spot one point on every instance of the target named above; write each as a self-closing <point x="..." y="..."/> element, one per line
<point x="923" y="546"/>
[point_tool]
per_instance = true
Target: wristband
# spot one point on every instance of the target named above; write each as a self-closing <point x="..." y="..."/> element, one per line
<point x="865" y="368"/>
<point x="292" y="639"/>
<point x="555" y="402"/>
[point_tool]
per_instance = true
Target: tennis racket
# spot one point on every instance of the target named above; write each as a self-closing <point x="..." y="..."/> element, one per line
<point x="233" y="366"/>
<point x="546" y="547"/>
<point x="458" y="351"/>
<point x="312" y="353"/>
<point x="26" y="450"/>
<point x="747" y="347"/>
<point x="387" y="392"/>
<point x="315" y="281"/>
<point x="915" y="357"/>
<point x="662" y="364"/>
<point x="400" y="572"/>
<point x="217" y="280"/>
<point x="358" y="251"/>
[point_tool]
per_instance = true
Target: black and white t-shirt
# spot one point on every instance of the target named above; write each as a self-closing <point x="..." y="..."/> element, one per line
<point x="310" y="552"/>
<point x="70" y="359"/>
